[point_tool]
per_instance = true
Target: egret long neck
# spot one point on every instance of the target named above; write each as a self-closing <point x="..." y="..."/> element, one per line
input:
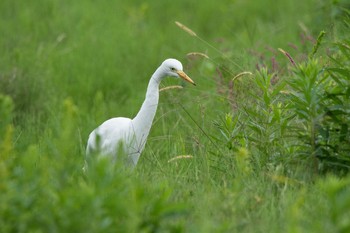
<point x="143" y="121"/>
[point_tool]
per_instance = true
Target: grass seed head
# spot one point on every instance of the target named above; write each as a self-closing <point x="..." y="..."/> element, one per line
<point x="242" y="74"/>
<point x="186" y="29"/>
<point x="170" y="88"/>
<point x="197" y="54"/>
<point x="180" y="157"/>
<point x="288" y="56"/>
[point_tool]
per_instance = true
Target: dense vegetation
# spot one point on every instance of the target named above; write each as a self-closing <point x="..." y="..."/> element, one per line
<point x="261" y="144"/>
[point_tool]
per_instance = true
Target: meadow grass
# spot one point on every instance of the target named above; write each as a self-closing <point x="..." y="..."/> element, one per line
<point x="261" y="144"/>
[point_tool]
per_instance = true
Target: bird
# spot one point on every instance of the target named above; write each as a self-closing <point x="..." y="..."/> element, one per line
<point x="127" y="136"/>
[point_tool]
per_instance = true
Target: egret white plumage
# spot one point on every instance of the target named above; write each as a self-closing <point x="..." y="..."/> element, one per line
<point x="132" y="134"/>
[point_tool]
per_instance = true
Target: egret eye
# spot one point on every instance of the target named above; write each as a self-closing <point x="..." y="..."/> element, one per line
<point x="173" y="69"/>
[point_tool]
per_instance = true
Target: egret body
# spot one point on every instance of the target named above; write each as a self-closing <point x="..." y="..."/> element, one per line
<point x="131" y="134"/>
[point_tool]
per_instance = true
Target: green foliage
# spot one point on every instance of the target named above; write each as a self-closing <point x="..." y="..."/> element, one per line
<point x="307" y="87"/>
<point x="46" y="190"/>
<point x="320" y="100"/>
<point x="337" y="191"/>
<point x="6" y="144"/>
<point x="232" y="154"/>
<point x="335" y="128"/>
<point x="268" y="119"/>
<point x="301" y="116"/>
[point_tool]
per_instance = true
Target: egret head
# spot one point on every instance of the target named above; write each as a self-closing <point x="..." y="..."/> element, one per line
<point x="173" y="68"/>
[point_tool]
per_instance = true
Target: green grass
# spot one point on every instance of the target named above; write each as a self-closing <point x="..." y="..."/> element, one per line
<point x="270" y="150"/>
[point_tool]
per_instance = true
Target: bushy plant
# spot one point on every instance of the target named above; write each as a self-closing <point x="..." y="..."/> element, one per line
<point x="46" y="190"/>
<point x="319" y="98"/>
<point x="303" y="116"/>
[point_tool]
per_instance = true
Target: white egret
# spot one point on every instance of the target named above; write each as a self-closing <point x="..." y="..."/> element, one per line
<point x="132" y="134"/>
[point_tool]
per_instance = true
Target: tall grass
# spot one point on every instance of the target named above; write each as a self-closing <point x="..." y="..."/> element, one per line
<point x="260" y="145"/>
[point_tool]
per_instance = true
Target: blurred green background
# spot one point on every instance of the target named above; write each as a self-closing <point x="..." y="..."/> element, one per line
<point x="67" y="66"/>
<point x="52" y="50"/>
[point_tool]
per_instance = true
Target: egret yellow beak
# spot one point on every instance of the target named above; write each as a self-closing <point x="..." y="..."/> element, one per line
<point x="184" y="76"/>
